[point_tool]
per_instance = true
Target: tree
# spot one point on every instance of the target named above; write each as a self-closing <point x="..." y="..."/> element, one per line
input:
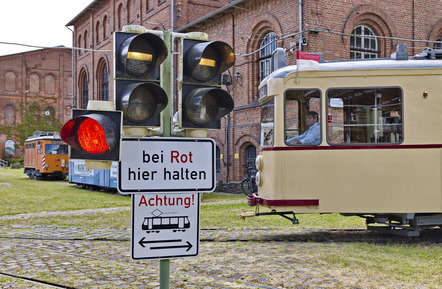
<point x="32" y="119"/>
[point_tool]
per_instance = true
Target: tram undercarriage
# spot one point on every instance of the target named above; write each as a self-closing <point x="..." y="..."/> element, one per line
<point x="409" y="224"/>
<point x="406" y="224"/>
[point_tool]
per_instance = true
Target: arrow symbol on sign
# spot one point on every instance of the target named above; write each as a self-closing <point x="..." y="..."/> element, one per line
<point x="142" y="242"/>
<point x="188" y="246"/>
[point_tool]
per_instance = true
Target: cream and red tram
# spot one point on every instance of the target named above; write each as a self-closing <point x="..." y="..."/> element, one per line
<point x="379" y="154"/>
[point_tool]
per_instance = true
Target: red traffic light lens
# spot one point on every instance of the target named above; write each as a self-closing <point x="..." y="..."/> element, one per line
<point x="91" y="137"/>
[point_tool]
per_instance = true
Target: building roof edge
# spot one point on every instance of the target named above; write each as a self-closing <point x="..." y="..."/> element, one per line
<point x="210" y="15"/>
<point x="84" y="12"/>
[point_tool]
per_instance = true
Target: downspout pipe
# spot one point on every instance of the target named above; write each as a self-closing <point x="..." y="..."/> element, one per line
<point x="300" y="24"/>
<point x="73" y="72"/>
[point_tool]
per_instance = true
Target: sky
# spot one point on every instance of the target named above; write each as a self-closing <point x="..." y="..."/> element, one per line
<point x="37" y="22"/>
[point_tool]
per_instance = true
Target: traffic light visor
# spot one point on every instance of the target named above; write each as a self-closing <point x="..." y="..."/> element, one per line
<point x="205" y="60"/>
<point x="204" y="106"/>
<point x="142" y="102"/>
<point x="141" y="54"/>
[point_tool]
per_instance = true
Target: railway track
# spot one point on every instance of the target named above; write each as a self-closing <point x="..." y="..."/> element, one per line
<point x="114" y="252"/>
<point x="35" y="281"/>
<point x="279" y="235"/>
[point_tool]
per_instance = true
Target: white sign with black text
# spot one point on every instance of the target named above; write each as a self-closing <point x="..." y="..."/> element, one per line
<point x="164" y="165"/>
<point x="165" y="226"/>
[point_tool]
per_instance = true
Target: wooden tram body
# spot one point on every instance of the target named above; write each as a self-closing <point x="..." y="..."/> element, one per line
<point x="380" y="154"/>
<point x="46" y="156"/>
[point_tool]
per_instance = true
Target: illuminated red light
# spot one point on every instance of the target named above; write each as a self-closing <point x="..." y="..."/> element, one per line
<point x="91" y="137"/>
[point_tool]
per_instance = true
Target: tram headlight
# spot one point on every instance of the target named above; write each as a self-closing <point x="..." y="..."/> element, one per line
<point x="258" y="179"/>
<point x="259" y="162"/>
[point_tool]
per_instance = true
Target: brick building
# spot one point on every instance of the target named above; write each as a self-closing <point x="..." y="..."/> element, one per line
<point x="38" y="82"/>
<point x="254" y="28"/>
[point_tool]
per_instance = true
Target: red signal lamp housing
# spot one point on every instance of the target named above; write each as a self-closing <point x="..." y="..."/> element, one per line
<point x="94" y="135"/>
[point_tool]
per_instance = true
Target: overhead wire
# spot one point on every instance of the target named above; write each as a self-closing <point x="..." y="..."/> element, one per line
<point x="278" y="38"/>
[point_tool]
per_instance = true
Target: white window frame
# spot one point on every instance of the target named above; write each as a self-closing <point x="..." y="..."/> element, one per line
<point x="266" y="48"/>
<point x="362" y="43"/>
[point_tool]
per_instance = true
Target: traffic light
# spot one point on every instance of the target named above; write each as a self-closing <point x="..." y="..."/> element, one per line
<point x="93" y="134"/>
<point x="202" y="101"/>
<point x="138" y="93"/>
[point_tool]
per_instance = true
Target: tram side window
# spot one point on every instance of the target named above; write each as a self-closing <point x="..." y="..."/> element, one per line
<point x="364" y="115"/>
<point x="302" y="117"/>
<point x="267" y="123"/>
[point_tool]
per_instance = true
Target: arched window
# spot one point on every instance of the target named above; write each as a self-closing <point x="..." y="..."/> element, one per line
<point x="84" y="89"/>
<point x="49" y="84"/>
<point x="9" y="147"/>
<point x="251" y="156"/>
<point x="267" y="46"/>
<point x="363" y="44"/>
<point x="79" y="45"/>
<point x="128" y="9"/>
<point x="97" y="32"/>
<point x="85" y="40"/>
<point x="103" y="80"/>
<point x="438" y="45"/>
<point x="104" y="26"/>
<point x="119" y="16"/>
<point x="9" y="115"/>
<point x="34" y="83"/>
<point x="10" y="81"/>
<point x="68" y="82"/>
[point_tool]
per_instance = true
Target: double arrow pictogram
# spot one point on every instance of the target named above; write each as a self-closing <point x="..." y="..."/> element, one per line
<point x="142" y="242"/>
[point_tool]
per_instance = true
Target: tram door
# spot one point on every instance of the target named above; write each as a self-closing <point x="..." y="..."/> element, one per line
<point x="180" y="222"/>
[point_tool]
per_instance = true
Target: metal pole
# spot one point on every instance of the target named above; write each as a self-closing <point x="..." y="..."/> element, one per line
<point x="166" y="85"/>
<point x="300" y="25"/>
<point x="164" y="274"/>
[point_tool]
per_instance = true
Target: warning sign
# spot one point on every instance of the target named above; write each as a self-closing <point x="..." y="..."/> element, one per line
<point x="165" y="225"/>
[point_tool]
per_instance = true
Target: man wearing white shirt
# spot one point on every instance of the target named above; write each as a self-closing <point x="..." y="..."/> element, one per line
<point x="312" y="135"/>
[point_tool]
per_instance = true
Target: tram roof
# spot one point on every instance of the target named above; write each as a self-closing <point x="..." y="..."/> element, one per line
<point x="40" y="135"/>
<point x="362" y="64"/>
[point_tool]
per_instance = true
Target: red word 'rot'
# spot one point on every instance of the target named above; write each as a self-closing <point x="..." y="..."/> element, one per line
<point x="175" y="156"/>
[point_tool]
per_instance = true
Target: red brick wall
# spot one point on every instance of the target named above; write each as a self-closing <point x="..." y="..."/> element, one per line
<point x="42" y="77"/>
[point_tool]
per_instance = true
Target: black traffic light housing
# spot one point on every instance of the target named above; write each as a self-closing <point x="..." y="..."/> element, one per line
<point x="138" y="93"/>
<point x="93" y="134"/>
<point x="203" y="102"/>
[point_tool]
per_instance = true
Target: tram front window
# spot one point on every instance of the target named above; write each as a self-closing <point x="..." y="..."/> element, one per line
<point x="364" y="115"/>
<point x="302" y="117"/>
<point x="267" y="121"/>
<point x="56" y="149"/>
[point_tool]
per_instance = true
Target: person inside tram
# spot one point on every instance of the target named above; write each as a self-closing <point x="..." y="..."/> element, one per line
<point x="312" y="135"/>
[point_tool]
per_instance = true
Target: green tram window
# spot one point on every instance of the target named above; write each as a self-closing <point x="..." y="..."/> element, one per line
<point x="364" y="115"/>
<point x="302" y="116"/>
<point x="267" y="123"/>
